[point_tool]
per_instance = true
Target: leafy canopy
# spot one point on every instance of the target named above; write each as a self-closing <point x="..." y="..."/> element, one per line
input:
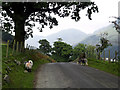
<point x="45" y="46"/>
<point x="62" y="49"/>
<point x="41" y="12"/>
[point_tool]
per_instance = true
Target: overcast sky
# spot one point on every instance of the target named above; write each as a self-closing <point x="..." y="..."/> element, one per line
<point x="106" y="8"/>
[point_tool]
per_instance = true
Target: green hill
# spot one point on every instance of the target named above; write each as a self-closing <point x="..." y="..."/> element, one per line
<point x="112" y="37"/>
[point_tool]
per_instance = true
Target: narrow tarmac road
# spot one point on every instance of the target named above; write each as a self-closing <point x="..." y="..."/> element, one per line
<point x="72" y="75"/>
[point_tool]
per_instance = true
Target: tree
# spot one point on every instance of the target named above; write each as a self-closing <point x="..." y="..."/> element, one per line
<point x="59" y="39"/>
<point x="45" y="46"/>
<point x="78" y="50"/>
<point x="104" y="43"/>
<point x="117" y="24"/>
<point x="90" y="51"/>
<point x="26" y="14"/>
<point x="62" y="49"/>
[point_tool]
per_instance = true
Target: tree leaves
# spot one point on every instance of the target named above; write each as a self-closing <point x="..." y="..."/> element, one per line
<point x="62" y="49"/>
<point x="42" y="12"/>
<point x="104" y="43"/>
<point x="44" y="46"/>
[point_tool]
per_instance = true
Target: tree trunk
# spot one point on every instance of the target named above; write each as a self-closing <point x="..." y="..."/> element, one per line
<point x="20" y="30"/>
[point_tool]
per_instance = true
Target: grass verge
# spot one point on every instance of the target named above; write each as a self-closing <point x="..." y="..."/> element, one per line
<point x="113" y="68"/>
<point x="17" y="77"/>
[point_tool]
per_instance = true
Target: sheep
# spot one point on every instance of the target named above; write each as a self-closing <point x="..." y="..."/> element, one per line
<point x="28" y="65"/>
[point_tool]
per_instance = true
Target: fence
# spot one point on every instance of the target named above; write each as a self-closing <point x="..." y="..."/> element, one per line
<point x="105" y="55"/>
<point x="18" y="47"/>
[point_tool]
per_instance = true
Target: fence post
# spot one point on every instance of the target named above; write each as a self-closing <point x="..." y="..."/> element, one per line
<point x="115" y="56"/>
<point x="13" y="47"/>
<point x="21" y="47"/>
<point x="17" y="46"/>
<point x="7" y="48"/>
<point x="100" y="56"/>
<point x="27" y="46"/>
<point x="109" y="56"/>
<point x="96" y="54"/>
<point x="104" y="55"/>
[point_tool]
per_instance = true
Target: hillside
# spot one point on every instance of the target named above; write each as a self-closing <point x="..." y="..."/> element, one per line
<point x="14" y="70"/>
<point x="112" y="37"/>
<point x="70" y="36"/>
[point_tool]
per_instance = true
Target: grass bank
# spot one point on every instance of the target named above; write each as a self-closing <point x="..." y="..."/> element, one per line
<point x="113" y="68"/>
<point x="17" y="78"/>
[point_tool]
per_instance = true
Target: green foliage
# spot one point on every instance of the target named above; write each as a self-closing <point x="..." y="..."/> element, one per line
<point x="91" y="51"/>
<point x="117" y="24"/>
<point x="104" y="43"/>
<point x="27" y="13"/>
<point x="45" y="46"/>
<point x="62" y="49"/>
<point x="78" y="50"/>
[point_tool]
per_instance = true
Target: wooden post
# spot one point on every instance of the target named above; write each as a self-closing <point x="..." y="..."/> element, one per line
<point x="104" y="55"/>
<point x="7" y="48"/>
<point x="96" y="54"/>
<point x="100" y="55"/>
<point x="115" y="55"/>
<point x="17" y="46"/>
<point x="13" y="47"/>
<point x="27" y="46"/>
<point x="109" y="56"/>
<point x="21" y="47"/>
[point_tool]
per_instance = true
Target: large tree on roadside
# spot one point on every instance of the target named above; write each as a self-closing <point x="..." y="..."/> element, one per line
<point x="27" y="13"/>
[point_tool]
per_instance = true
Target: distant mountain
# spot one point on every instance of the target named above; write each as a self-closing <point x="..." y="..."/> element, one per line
<point x="112" y="37"/>
<point x="34" y="41"/>
<point x="70" y="36"/>
<point x="94" y="38"/>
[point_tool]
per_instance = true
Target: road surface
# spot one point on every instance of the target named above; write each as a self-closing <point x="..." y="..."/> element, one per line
<point x="72" y="75"/>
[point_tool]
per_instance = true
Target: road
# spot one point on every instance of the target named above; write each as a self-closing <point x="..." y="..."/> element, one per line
<point x="72" y="75"/>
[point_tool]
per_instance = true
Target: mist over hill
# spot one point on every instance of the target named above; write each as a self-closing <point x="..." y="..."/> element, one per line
<point x="95" y="37"/>
<point x="112" y="37"/>
<point x="70" y="36"/>
<point x="74" y="36"/>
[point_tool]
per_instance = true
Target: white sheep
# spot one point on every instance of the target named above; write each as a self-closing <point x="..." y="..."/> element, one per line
<point x="28" y="65"/>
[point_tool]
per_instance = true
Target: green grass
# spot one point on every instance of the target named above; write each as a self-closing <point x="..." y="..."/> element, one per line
<point x="112" y="68"/>
<point x="19" y="79"/>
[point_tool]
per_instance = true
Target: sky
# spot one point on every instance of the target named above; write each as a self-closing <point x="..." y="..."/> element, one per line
<point x="107" y="8"/>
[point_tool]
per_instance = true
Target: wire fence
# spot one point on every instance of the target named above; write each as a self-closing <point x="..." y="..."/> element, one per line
<point x="105" y="55"/>
<point x="17" y="47"/>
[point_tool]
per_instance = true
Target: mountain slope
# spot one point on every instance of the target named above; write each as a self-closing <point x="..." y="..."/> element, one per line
<point x="112" y="37"/>
<point x="70" y="36"/>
